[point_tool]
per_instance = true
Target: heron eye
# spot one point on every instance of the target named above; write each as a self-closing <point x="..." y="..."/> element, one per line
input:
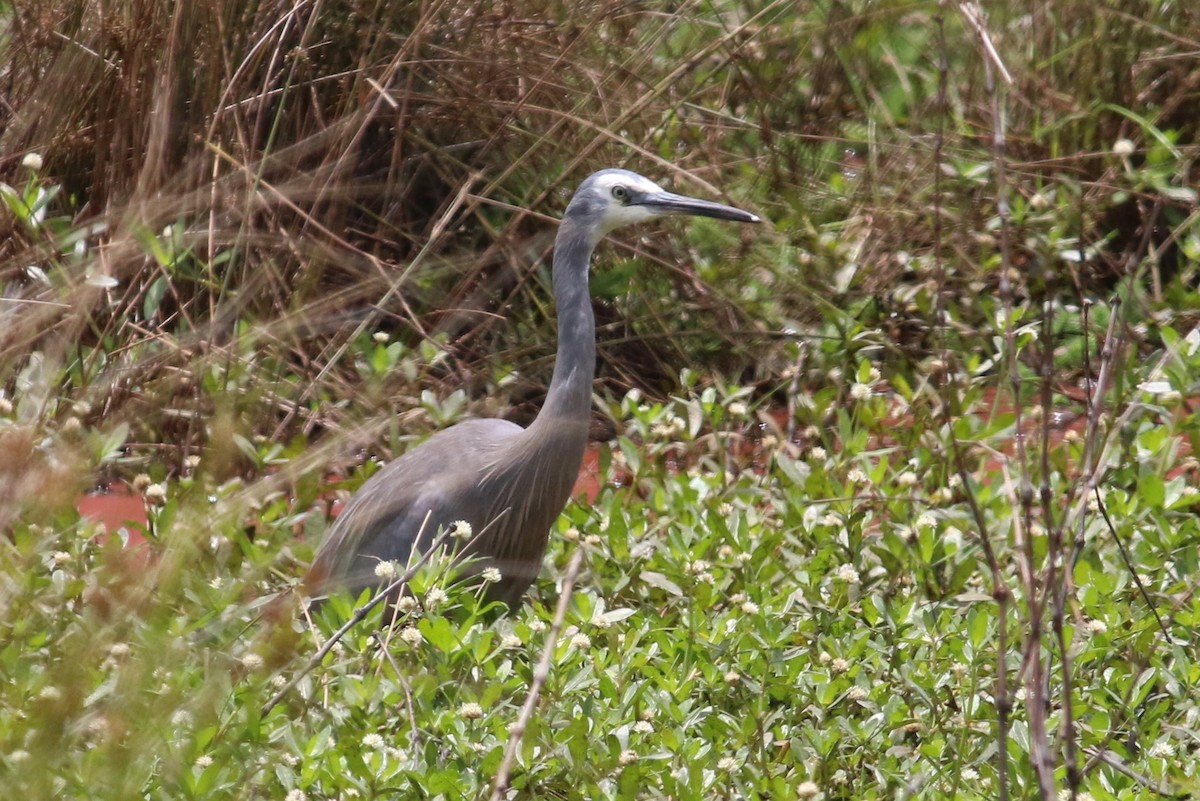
<point x="620" y="193"/>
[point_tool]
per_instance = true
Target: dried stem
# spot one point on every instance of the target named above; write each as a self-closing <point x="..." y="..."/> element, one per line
<point x="1037" y="702"/>
<point x="540" y="674"/>
<point x="951" y="410"/>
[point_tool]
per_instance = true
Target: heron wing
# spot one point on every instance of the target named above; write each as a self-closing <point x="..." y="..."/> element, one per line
<point x="404" y="505"/>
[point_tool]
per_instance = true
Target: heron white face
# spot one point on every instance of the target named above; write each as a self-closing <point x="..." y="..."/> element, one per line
<point x="617" y="191"/>
<point x="613" y="198"/>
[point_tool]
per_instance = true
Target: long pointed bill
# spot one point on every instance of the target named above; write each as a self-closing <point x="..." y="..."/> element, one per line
<point x="662" y="203"/>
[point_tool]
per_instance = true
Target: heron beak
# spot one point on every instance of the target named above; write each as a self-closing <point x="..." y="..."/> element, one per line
<point x="664" y="203"/>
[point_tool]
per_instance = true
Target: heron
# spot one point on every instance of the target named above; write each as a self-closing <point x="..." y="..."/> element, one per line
<point x="507" y="482"/>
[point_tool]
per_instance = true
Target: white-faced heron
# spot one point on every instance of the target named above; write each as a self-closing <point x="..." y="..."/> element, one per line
<point x="508" y="482"/>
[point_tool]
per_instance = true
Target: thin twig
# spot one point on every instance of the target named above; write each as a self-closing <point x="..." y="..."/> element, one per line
<point x="951" y="410"/>
<point x="540" y="674"/>
<point x="1037" y="702"/>
<point x="1116" y="764"/>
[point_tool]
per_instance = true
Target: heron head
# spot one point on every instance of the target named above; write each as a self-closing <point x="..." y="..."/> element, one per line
<point x="615" y="198"/>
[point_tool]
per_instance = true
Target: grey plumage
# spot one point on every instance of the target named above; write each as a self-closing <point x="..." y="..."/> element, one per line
<point x="508" y="482"/>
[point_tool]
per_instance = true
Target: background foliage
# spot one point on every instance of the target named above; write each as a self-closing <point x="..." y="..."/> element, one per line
<point x="917" y="517"/>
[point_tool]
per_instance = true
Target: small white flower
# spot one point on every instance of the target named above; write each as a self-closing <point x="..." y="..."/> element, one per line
<point x="386" y="570"/>
<point x="969" y="774"/>
<point x="181" y="719"/>
<point x="907" y="479"/>
<point x="61" y="557"/>
<point x="737" y="409"/>
<point x="471" y="711"/>
<point x="926" y="520"/>
<point x="859" y="391"/>
<point x="1123" y="147"/>
<point x="380" y="337"/>
<point x="215" y="582"/>
<point x="156" y="493"/>
<point x="856" y="476"/>
<point x="296" y="795"/>
<point x="411" y="635"/>
<point x="252" y="661"/>
<point x="537" y="626"/>
<point x="581" y="641"/>
<point x="20" y="755"/>
<point x="462" y="529"/>
<point x="847" y="573"/>
<point x="406" y="604"/>
<point x="750" y="608"/>
<point x="818" y="454"/>
<point x="1161" y="750"/>
<point x="643" y="727"/>
<point x="32" y="161"/>
<point x="203" y="761"/>
<point x="435" y="597"/>
<point x="808" y="789"/>
<point x="510" y="641"/>
<point x="119" y="650"/>
<point x="839" y="665"/>
<point x="857" y="693"/>
<point x="732" y="677"/>
<point x="1095" y="627"/>
<point x="490" y="575"/>
<point x="727" y="764"/>
<point x="373" y="741"/>
<point x="628" y="757"/>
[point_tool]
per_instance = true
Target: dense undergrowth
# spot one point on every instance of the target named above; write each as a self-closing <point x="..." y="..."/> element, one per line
<point x="919" y="518"/>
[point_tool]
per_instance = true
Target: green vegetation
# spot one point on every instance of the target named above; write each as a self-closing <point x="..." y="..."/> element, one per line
<point x="899" y="498"/>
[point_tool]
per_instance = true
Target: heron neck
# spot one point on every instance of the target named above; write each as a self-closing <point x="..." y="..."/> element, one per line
<point x="570" y="394"/>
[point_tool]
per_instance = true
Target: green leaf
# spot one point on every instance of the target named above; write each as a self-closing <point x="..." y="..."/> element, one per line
<point x="112" y="444"/>
<point x="154" y="295"/>
<point x="660" y="581"/>
<point x="1151" y="490"/>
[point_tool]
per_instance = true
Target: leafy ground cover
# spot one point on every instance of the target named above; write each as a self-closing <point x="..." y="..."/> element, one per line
<point x="918" y="520"/>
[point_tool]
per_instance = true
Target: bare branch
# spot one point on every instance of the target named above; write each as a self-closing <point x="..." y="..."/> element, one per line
<point x="540" y="674"/>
